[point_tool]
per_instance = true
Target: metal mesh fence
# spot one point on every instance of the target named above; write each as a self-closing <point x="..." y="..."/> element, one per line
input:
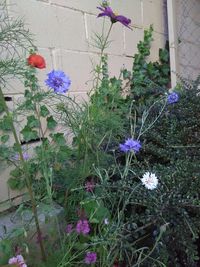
<point x="188" y="31"/>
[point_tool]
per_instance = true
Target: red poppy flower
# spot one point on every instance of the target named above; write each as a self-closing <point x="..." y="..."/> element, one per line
<point x="36" y="61"/>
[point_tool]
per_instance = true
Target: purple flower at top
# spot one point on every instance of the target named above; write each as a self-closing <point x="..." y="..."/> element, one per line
<point x="108" y="12"/>
<point x="90" y="258"/>
<point x="58" y="81"/>
<point x="130" y="145"/>
<point x="172" y="98"/>
<point x="83" y="227"/>
<point x="69" y="228"/>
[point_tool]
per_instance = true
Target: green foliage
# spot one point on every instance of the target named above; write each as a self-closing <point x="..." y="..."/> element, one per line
<point x="95" y="210"/>
<point x="5" y="251"/>
<point x="143" y="227"/>
<point x="148" y="80"/>
<point x="29" y="134"/>
<point x="171" y="151"/>
<point x="14" y="41"/>
<point x="51" y="123"/>
<point x="44" y="111"/>
<point x="5" y="123"/>
<point x="5" y="138"/>
<point x="16" y="180"/>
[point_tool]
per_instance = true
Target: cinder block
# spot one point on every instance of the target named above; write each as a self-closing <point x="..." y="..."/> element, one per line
<point x="42" y="73"/>
<point x="96" y="25"/>
<point x="52" y="26"/>
<point x="85" y="5"/>
<point x="158" y="42"/>
<point x="132" y="39"/>
<point x="117" y="63"/>
<point x="40" y="18"/>
<point x="71" y="29"/>
<point x="3" y="182"/>
<point x="51" y="218"/>
<point x="79" y="67"/>
<point x="153" y="13"/>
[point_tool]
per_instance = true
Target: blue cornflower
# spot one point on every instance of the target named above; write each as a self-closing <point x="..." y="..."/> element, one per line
<point x="172" y="98"/>
<point x="58" y="81"/>
<point x="130" y="145"/>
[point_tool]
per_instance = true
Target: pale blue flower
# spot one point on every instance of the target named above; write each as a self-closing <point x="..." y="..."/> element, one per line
<point x="130" y="145"/>
<point x="172" y="98"/>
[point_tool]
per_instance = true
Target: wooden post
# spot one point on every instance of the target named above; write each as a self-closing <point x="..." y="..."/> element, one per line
<point x="173" y="40"/>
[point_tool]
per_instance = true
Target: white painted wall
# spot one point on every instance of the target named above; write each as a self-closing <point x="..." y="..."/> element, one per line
<point x="63" y="31"/>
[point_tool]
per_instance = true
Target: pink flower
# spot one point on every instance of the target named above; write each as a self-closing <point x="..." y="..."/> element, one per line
<point x="69" y="228"/>
<point x="90" y="185"/>
<point x="12" y="260"/>
<point x="82" y="227"/>
<point x="90" y="257"/>
<point x="18" y="260"/>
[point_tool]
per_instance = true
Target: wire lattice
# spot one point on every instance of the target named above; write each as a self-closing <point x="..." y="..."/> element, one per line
<point x="188" y="31"/>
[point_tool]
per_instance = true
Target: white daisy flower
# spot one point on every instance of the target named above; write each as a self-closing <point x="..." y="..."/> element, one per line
<point x="106" y="221"/>
<point x="149" y="180"/>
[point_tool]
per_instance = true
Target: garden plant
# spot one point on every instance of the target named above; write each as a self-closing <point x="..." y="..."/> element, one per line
<point x="128" y="181"/>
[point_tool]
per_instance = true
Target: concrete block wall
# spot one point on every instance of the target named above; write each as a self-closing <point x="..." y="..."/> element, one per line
<point x="64" y="30"/>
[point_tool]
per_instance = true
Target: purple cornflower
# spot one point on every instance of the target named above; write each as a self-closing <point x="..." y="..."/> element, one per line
<point x="89" y="186"/>
<point x="130" y="145"/>
<point x="69" y="228"/>
<point x="172" y="98"/>
<point x="58" y="81"/>
<point x="82" y="227"/>
<point x="90" y="257"/>
<point x="108" y="12"/>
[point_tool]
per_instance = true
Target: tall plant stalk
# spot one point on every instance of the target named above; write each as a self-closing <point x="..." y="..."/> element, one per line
<point x="26" y="172"/>
<point x="101" y="54"/>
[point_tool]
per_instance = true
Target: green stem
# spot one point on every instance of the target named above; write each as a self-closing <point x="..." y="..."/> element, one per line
<point x="46" y="172"/>
<point x="101" y="54"/>
<point x="27" y="177"/>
